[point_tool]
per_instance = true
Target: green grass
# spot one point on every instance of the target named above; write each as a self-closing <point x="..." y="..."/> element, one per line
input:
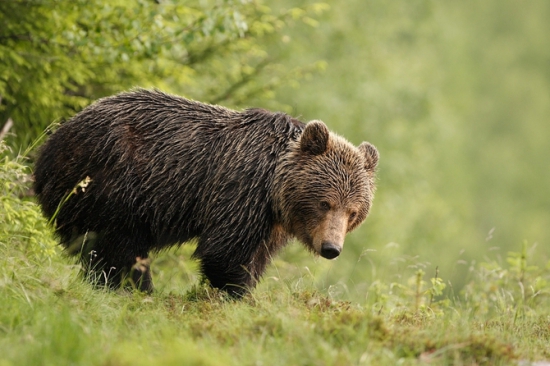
<point x="49" y="316"/>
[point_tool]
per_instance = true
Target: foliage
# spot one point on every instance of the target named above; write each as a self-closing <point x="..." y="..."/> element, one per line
<point x="59" y="56"/>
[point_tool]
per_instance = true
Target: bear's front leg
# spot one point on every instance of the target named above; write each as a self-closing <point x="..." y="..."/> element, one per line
<point x="233" y="262"/>
<point x="234" y="278"/>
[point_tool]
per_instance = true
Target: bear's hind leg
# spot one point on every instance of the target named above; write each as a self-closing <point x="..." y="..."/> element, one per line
<point x="116" y="260"/>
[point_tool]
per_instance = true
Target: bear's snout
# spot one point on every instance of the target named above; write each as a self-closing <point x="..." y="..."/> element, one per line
<point x="330" y="250"/>
<point x="328" y="235"/>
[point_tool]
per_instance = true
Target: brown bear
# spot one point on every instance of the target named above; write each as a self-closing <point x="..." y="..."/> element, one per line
<point x="162" y="170"/>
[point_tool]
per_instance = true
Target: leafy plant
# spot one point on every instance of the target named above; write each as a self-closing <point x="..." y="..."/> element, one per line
<point x="58" y="57"/>
<point x="21" y="221"/>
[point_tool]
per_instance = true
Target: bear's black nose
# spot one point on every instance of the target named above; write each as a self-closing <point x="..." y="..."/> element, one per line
<point x="329" y="250"/>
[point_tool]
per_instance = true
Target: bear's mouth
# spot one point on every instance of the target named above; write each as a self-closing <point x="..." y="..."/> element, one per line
<point x="308" y="242"/>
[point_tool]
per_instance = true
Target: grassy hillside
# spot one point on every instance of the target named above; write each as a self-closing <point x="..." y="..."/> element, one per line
<point x="49" y="316"/>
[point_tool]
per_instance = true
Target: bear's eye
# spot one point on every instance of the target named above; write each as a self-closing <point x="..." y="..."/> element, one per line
<point x="352" y="216"/>
<point x="325" y="205"/>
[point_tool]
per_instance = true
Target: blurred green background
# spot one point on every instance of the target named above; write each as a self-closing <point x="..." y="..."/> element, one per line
<point x="455" y="95"/>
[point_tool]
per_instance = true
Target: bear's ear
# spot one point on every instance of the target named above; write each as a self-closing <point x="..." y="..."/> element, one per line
<point x="370" y="153"/>
<point x="314" y="139"/>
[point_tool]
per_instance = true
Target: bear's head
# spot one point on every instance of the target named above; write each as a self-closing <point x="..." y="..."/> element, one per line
<point x="324" y="188"/>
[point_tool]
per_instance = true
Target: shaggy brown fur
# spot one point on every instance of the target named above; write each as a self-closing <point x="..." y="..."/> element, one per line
<point x="165" y="170"/>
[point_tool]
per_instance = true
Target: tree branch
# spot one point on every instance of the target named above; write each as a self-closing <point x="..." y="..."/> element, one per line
<point x="245" y="79"/>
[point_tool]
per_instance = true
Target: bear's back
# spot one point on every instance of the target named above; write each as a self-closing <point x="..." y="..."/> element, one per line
<point x="163" y="162"/>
